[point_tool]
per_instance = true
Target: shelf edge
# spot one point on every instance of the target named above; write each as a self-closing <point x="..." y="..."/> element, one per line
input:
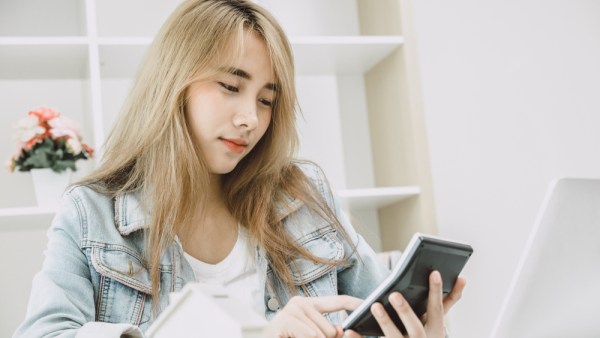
<point x="34" y="41"/>
<point x="26" y="211"/>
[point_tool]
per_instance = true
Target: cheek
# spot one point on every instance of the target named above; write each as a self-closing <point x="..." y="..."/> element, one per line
<point x="193" y="119"/>
<point x="264" y="123"/>
<point x="201" y="117"/>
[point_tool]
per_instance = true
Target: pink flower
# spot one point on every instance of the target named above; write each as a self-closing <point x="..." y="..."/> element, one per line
<point x="88" y="149"/>
<point x="74" y="145"/>
<point x="29" y="132"/>
<point x="61" y="127"/>
<point x="29" y="144"/>
<point x="44" y="114"/>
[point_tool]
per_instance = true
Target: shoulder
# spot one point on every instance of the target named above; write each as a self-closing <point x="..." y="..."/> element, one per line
<point x="86" y="201"/>
<point x="81" y="208"/>
<point x="310" y="169"/>
<point x="316" y="175"/>
<point x="305" y="212"/>
<point x="98" y="217"/>
<point x="83" y="193"/>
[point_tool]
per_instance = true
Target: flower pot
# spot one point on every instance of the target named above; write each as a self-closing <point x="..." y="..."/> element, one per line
<point x="49" y="186"/>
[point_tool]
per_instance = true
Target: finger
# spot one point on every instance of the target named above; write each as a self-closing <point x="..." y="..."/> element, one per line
<point x="329" y="304"/>
<point x="339" y="332"/>
<point x="322" y="324"/>
<point x="385" y="322"/>
<point x="291" y="324"/>
<point x="413" y="325"/>
<point x="455" y="294"/>
<point x="302" y="328"/>
<point x="435" y="309"/>
<point x="303" y="310"/>
<point x="351" y="334"/>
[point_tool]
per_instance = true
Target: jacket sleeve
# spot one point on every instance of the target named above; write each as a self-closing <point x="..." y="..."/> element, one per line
<point x="364" y="270"/>
<point x="61" y="303"/>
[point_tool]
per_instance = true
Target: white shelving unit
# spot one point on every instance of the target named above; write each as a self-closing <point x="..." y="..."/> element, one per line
<point x="83" y="60"/>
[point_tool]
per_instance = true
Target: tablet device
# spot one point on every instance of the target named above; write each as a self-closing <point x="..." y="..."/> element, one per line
<point x="410" y="277"/>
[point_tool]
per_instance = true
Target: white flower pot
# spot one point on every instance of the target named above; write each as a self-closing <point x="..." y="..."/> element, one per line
<point x="49" y="186"/>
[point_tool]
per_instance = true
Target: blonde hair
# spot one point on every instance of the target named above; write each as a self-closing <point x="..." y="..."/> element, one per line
<point x="151" y="148"/>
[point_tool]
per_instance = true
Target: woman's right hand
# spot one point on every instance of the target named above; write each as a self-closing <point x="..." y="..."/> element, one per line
<point x="303" y="317"/>
<point x="429" y="325"/>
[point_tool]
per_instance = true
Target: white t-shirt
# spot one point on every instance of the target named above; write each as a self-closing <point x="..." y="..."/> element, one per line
<point x="237" y="272"/>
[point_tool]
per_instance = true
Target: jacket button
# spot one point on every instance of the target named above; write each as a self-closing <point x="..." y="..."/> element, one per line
<point x="273" y="304"/>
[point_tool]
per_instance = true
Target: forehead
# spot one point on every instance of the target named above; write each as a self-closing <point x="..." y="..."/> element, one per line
<point x="249" y="52"/>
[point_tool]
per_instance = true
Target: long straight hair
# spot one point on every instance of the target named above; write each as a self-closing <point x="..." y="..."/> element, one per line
<point x="151" y="149"/>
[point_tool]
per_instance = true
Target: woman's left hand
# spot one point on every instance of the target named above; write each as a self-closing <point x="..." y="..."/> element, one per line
<point x="432" y="323"/>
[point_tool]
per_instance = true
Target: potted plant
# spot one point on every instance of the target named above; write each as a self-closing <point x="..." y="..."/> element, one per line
<point x="48" y="145"/>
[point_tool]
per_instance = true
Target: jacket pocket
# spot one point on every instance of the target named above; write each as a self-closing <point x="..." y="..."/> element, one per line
<point x="124" y="288"/>
<point x="322" y="245"/>
<point x="122" y="266"/>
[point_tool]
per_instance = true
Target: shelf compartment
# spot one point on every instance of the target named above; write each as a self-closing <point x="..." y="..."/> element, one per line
<point x="341" y="55"/>
<point x="42" y="18"/>
<point x="121" y="57"/>
<point x="375" y="198"/>
<point x="19" y="220"/>
<point x="69" y="96"/>
<point x="315" y="17"/>
<point x="141" y="18"/>
<point x="57" y="58"/>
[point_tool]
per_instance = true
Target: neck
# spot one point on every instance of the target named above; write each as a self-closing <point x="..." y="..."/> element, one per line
<point x="215" y="197"/>
<point x="214" y="210"/>
<point x="214" y="229"/>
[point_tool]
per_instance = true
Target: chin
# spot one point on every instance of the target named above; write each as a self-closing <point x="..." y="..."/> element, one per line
<point x="223" y="169"/>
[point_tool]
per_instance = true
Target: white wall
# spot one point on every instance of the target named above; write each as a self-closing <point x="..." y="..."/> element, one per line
<point x="512" y="100"/>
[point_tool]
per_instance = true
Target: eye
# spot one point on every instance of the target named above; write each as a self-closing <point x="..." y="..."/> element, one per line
<point x="229" y="87"/>
<point x="266" y="102"/>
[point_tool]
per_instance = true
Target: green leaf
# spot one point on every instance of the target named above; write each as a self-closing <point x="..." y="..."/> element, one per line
<point x="60" y="166"/>
<point x="49" y="153"/>
<point x="38" y="159"/>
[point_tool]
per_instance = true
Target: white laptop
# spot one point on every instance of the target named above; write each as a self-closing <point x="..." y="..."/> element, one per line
<point x="555" y="291"/>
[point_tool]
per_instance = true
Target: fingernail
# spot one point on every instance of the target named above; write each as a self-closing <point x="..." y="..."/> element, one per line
<point x="437" y="278"/>
<point x="377" y="311"/>
<point x="396" y="300"/>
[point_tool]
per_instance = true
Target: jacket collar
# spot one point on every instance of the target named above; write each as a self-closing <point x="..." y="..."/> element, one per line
<point x="130" y="216"/>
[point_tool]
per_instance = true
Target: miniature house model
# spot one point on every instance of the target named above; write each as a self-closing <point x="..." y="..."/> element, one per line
<point x="198" y="312"/>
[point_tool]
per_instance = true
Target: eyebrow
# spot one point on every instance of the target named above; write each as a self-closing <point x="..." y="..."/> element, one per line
<point x="243" y="74"/>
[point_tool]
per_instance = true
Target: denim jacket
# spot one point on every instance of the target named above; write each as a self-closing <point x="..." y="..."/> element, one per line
<point x="94" y="283"/>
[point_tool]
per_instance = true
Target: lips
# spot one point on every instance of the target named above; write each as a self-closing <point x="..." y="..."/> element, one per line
<point x="234" y="144"/>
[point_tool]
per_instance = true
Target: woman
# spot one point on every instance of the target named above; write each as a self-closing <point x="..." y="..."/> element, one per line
<point x="198" y="183"/>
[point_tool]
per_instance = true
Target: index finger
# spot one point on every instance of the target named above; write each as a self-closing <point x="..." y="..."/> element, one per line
<point x="327" y="304"/>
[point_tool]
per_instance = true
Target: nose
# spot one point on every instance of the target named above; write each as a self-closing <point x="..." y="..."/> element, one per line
<point x="246" y="118"/>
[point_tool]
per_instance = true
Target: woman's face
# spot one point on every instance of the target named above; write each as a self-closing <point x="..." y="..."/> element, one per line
<point x="228" y="116"/>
